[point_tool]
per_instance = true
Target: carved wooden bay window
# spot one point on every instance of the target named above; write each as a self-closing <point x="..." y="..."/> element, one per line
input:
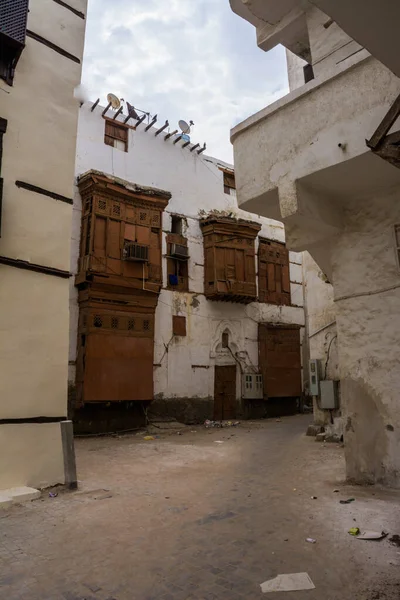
<point x="273" y="272"/>
<point x="121" y="232"/>
<point x="229" y="257"/>
<point x="119" y="280"/>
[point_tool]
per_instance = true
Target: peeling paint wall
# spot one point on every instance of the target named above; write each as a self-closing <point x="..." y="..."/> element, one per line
<point x="364" y="262"/>
<point x="305" y="158"/>
<point x="184" y="366"/>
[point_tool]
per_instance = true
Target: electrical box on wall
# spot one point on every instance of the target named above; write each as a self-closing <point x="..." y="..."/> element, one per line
<point x="329" y="394"/>
<point x="314" y="368"/>
<point x="252" y="386"/>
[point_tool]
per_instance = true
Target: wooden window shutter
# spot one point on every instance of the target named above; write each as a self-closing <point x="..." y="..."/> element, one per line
<point x="115" y="132"/>
<point x="229" y="180"/>
<point x="273" y="273"/>
<point x="178" y="325"/>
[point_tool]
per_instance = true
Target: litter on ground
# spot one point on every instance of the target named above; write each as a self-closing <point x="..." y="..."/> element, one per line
<point x="208" y="424"/>
<point x="311" y="540"/>
<point x="291" y="582"/>
<point x="367" y="534"/>
<point x="371" y="535"/>
<point x="348" y="501"/>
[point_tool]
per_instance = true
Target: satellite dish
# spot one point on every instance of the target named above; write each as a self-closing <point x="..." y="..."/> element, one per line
<point x="114" y="101"/>
<point x="184" y="127"/>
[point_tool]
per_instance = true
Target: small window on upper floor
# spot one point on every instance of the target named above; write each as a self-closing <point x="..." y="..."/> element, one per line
<point x="176" y="224"/>
<point x="116" y="135"/>
<point x="229" y="182"/>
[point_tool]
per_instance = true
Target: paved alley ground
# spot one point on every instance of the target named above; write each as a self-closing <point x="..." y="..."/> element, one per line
<point x="184" y="517"/>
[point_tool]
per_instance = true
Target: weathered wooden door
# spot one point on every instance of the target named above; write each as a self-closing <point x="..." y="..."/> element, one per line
<point x="280" y="362"/>
<point x="225" y="392"/>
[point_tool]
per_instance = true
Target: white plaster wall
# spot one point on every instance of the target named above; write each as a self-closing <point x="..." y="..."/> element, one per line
<point x="196" y="184"/>
<point x="329" y="45"/>
<point x="322" y="333"/>
<point x="340" y="203"/>
<point x="299" y="135"/>
<point x="365" y="263"/>
<point x="39" y="149"/>
<point x="295" y="71"/>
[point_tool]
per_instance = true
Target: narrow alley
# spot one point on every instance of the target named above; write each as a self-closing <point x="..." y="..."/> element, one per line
<point x="188" y="517"/>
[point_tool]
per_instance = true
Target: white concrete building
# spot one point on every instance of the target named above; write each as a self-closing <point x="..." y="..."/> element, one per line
<point x="215" y="333"/>
<point x="304" y="160"/>
<point x="40" y="65"/>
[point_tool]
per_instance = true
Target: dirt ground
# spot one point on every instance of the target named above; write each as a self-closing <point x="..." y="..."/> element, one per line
<point x="184" y="517"/>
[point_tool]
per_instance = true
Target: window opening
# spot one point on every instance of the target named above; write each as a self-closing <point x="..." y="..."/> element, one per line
<point x="176" y="224"/>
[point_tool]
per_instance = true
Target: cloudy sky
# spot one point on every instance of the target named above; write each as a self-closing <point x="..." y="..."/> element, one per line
<point x="182" y="59"/>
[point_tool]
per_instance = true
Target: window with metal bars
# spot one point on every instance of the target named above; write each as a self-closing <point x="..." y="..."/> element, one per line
<point x="13" y="19"/>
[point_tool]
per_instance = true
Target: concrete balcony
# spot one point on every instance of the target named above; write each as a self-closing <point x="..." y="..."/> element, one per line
<point x="301" y="159"/>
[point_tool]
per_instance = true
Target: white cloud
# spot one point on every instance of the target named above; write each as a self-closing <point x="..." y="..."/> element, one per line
<point x="182" y="59"/>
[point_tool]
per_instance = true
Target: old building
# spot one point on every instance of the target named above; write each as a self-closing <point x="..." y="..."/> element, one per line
<point x="182" y="304"/>
<point x="305" y="160"/>
<point x="40" y="65"/>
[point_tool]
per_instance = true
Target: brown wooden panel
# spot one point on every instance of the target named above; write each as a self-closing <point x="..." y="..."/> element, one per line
<point x="143" y="235"/>
<point x="271" y="284"/>
<point x="225" y="392"/>
<point x="100" y="230"/>
<point x="273" y="258"/>
<point x="285" y="279"/>
<point x="250" y="268"/>
<point x="280" y="361"/>
<point x="130" y="232"/>
<point x="118" y="368"/>
<point x="209" y="265"/>
<point x="113" y="239"/>
<point x="278" y="278"/>
<point x="220" y="262"/>
<point x="240" y="270"/>
<point x="155" y="240"/>
<point x="178" y="325"/>
<point x="130" y="213"/>
<point x="133" y="269"/>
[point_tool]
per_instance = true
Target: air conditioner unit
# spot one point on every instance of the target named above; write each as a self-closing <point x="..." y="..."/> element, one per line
<point x="136" y="252"/>
<point x="179" y="251"/>
<point x="252" y="386"/>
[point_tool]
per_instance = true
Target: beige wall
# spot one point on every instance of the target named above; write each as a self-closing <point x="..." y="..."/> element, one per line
<point x="38" y="149"/>
<point x="31" y="454"/>
<point x="330" y="45"/>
